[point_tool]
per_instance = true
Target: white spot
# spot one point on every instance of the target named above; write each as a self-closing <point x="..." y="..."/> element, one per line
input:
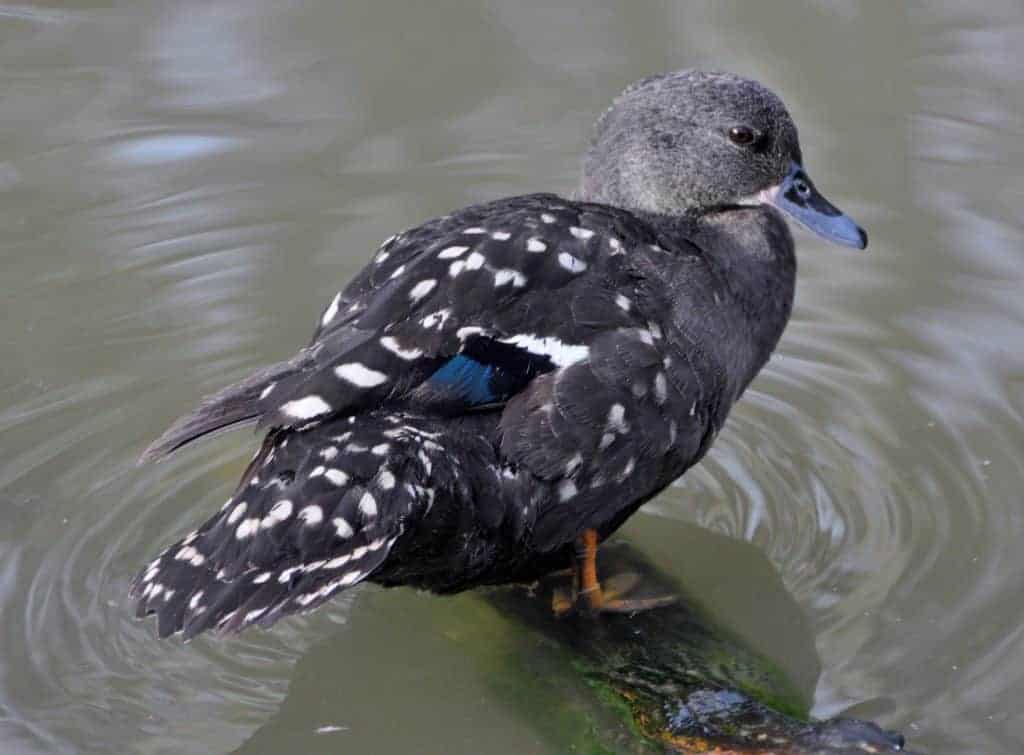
<point x="501" y="235"/>
<point x="452" y="252"/>
<point x="267" y="391"/>
<point x="330" y="312"/>
<point x="255" y="614"/>
<point x="456" y="268"/>
<point x="466" y="332"/>
<point x="398" y="271"/>
<point x="581" y="233"/>
<point x="386" y="480"/>
<point x="329" y="453"/>
<point x="368" y="505"/>
<point x="617" y="419"/>
<point x="436" y="319"/>
<point x="336" y="477"/>
<point x="616" y="245"/>
<point x="342" y="528"/>
<point x="606" y="440"/>
<point x="351" y="578"/>
<point x="312" y="515"/>
<point x="574" y="463"/>
<point x="501" y="277"/>
<point x="380" y="449"/>
<point x="655" y="330"/>
<point x="660" y="388"/>
<point x="359" y="375"/>
<point x="382" y="257"/>
<point x="281" y="510"/>
<point x="422" y="288"/>
<point x="570" y="263"/>
<point x="547" y="217"/>
<point x="194" y="600"/>
<point x="567" y="489"/>
<point x="536" y="245"/>
<point x="623" y="301"/>
<point x="474" y="231"/>
<point x="198" y="560"/>
<point x="673" y="429"/>
<point x="475" y="261"/>
<point x="646" y="336"/>
<point x="236" y="512"/>
<point x="318" y="471"/>
<point x="305" y="408"/>
<point x="286" y="574"/>
<point x="157" y="589"/>
<point x="340" y="561"/>
<point x="395" y="348"/>
<point x="151" y="574"/>
<point x="628" y="469"/>
<point x="247" y="528"/>
<point x="562" y="354"/>
<point x="185" y="554"/>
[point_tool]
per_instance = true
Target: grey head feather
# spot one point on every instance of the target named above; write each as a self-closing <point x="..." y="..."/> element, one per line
<point x="663" y="146"/>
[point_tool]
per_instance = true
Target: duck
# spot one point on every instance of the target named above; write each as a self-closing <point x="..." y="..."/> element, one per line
<point x="499" y="389"/>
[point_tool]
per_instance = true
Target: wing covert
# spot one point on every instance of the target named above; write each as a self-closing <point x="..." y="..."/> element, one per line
<point x="462" y="311"/>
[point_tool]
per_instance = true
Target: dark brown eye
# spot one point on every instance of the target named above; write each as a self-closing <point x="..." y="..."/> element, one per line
<point x="742" y="135"/>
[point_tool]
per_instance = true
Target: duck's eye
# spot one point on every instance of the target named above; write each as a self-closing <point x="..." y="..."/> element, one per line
<point x="742" y="135"/>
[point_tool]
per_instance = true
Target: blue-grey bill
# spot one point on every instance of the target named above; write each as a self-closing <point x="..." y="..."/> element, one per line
<point x="797" y="197"/>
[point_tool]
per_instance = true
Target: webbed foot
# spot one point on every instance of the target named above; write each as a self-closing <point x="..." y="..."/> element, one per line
<point x="590" y="596"/>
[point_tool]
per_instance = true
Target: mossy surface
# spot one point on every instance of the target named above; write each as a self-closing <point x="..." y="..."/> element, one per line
<point x="667" y="679"/>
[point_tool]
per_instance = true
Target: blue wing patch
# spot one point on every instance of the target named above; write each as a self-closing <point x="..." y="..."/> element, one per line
<point x="464" y="379"/>
<point x="486" y="372"/>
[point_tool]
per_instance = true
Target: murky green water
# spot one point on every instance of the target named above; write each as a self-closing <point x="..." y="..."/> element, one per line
<point x="182" y="187"/>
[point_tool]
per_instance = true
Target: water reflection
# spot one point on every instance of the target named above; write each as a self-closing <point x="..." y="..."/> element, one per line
<point x="183" y="186"/>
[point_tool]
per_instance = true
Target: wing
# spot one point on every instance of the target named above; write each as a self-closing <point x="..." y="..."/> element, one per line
<point x="621" y="423"/>
<point x="459" y="313"/>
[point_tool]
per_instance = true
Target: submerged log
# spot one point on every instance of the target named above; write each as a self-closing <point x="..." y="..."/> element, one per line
<point x="682" y="683"/>
<point x="496" y="671"/>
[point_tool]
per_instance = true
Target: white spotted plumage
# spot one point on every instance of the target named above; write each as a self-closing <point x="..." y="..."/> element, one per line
<point x="319" y="518"/>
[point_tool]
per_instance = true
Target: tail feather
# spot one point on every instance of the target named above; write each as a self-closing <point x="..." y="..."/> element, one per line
<point x="316" y="512"/>
<point x="232" y="406"/>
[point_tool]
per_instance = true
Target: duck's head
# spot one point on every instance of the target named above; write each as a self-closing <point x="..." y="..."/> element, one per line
<point x="693" y="142"/>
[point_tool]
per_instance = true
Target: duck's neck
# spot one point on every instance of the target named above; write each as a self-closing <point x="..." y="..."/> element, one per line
<point x="751" y="250"/>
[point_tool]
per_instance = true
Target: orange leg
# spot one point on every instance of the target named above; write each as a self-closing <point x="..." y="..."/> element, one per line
<point x="589" y="590"/>
<point x="588" y="594"/>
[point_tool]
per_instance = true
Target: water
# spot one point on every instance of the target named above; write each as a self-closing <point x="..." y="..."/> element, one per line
<point x="182" y="186"/>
